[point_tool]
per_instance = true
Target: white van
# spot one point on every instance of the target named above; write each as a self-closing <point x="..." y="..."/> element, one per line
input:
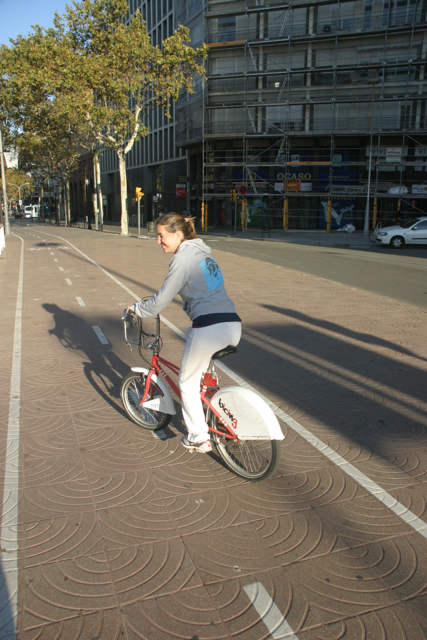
<point x="31" y="211"/>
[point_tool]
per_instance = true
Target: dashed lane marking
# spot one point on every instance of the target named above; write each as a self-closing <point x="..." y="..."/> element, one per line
<point x="55" y="259"/>
<point x="68" y="281"/>
<point x="269" y="613"/>
<point x="61" y="268"/>
<point x="102" y="338"/>
<point x="80" y="301"/>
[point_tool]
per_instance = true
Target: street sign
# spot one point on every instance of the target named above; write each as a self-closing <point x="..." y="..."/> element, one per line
<point x="243" y="189"/>
<point x="182" y="178"/>
<point x="11" y="158"/>
<point x="180" y="190"/>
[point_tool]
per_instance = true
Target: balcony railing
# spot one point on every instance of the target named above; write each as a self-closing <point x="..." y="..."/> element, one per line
<point x="350" y="125"/>
<point x="323" y="27"/>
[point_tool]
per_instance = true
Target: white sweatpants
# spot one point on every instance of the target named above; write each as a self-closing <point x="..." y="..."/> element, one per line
<point x="201" y="344"/>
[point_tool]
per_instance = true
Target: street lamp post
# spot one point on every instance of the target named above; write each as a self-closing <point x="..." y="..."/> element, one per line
<point x="19" y="189"/>
<point x="3" y="178"/>
<point x="366" y="223"/>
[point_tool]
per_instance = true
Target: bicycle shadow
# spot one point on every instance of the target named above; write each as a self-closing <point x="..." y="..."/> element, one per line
<point x="103" y="369"/>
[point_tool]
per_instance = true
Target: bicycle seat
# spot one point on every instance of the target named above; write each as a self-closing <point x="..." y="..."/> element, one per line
<point x="223" y="352"/>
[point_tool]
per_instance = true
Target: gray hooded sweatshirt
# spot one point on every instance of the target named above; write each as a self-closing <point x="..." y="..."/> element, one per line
<point x="196" y="277"/>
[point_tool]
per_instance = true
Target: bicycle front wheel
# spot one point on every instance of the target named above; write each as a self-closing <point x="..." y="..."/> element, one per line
<point x="132" y="391"/>
<point x="253" y="460"/>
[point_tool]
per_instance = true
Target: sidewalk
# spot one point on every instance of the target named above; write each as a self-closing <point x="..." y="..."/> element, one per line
<point x="123" y="535"/>
<point x="314" y="237"/>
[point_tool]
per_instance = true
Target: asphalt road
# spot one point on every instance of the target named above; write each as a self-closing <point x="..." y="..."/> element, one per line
<point x="399" y="276"/>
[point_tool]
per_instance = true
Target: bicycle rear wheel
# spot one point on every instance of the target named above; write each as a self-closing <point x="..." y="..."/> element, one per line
<point x="253" y="460"/>
<point x="131" y="393"/>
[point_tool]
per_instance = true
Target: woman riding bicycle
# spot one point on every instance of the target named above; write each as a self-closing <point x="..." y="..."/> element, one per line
<point x="196" y="277"/>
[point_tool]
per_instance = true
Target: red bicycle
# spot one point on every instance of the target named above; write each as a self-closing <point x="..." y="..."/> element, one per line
<point x="243" y="428"/>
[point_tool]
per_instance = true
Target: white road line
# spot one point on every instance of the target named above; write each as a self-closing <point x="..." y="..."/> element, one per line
<point x="269" y="612"/>
<point x="68" y="281"/>
<point x="55" y="259"/>
<point x="61" y="268"/>
<point x="9" y="510"/>
<point x="80" y="301"/>
<point x="102" y="338"/>
<point x="374" y="489"/>
<point x="51" y="253"/>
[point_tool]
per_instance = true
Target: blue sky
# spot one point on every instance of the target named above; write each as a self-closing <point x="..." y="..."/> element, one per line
<point x="18" y="16"/>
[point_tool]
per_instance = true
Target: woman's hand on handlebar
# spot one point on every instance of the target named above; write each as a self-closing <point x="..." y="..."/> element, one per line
<point x="130" y="309"/>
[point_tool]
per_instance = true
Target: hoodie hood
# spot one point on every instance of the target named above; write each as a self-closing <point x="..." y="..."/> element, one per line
<point x="197" y="243"/>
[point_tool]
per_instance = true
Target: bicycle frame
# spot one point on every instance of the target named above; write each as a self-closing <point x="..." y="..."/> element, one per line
<point x="209" y="385"/>
<point x="208" y="388"/>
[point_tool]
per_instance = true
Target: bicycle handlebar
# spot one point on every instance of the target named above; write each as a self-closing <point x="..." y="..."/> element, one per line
<point x="129" y="320"/>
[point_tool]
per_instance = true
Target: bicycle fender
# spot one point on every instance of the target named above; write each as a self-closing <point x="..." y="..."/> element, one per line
<point x="247" y="414"/>
<point x="165" y="403"/>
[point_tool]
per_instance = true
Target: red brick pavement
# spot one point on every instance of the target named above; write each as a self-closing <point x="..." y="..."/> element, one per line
<point x="126" y="535"/>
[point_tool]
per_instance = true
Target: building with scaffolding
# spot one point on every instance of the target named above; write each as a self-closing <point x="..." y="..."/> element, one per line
<point x="310" y="109"/>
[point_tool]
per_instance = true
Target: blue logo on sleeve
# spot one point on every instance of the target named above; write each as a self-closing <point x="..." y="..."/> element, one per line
<point x="212" y="273"/>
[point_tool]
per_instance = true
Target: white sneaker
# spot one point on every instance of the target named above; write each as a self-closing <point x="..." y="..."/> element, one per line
<point x="201" y="447"/>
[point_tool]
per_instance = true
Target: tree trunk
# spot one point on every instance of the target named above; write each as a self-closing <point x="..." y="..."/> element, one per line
<point x="68" y="209"/>
<point x="123" y="193"/>
<point x="58" y="210"/>
<point x="41" y="210"/>
<point x="95" y="196"/>
<point x="97" y="165"/>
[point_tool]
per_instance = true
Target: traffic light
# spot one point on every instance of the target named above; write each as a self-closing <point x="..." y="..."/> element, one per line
<point x="138" y="193"/>
<point x="232" y="195"/>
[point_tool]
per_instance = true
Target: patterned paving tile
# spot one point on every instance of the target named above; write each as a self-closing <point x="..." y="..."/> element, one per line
<point x="134" y="524"/>
<point x="53" y="499"/>
<point x="183" y="615"/>
<point x="152" y="570"/>
<point x="325" y="486"/>
<point x="120" y="459"/>
<point x="203" y="511"/>
<point x="298" y="536"/>
<point x="176" y="479"/>
<point x="340" y="586"/>
<point x="67" y="589"/>
<point x="225" y="553"/>
<point x="53" y="469"/>
<point x="92" y="438"/>
<point x="102" y="625"/>
<point x="363" y="521"/>
<point x="61" y="538"/>
<point x="51" y="444"/>
<point x="400" y="562"/>
<point x="413" y="463"/>
<point x="120" y="489"/>
<point x="397" y="622"/>
<point x="243" y="621"/>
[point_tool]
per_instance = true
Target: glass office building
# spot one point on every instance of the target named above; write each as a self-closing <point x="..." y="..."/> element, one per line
<point x="310" y="106"/>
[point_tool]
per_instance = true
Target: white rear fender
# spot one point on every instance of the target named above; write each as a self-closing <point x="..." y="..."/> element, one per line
<point x="248" y="415"/>
<point x="165" y="403"/>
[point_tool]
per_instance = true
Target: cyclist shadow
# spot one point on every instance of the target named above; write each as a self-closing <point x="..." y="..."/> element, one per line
<point x="103" y="369"/>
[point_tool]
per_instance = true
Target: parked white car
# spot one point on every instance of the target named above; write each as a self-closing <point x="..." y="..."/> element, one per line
<point x="409" y="232"/>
